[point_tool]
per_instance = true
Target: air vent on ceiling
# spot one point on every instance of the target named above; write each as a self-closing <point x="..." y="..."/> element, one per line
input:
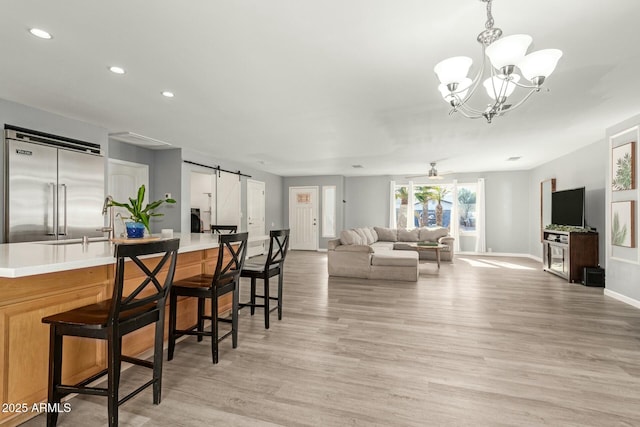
<point x="357" y="166"/>
<point x="514" y="159"/>
<point x="135" y="139"/>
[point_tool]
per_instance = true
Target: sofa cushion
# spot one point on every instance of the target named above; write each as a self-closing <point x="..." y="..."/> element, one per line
<point x="382" y="246"/>
<point x="432" y="234"/>
<point x="409" y="235"/>
<point x="374" y="234"/>
<point x="363" y="237"/>
<point x="354" y="248"/>
<point x="387" y="234"/>
<point x="368" y="235"/>
<point x="350" y="237"/>
<point x="393" y="258"/>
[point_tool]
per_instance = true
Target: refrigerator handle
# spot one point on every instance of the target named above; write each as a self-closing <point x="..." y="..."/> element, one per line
<point x="64" y="228"/>
<point x="54" y="209"/>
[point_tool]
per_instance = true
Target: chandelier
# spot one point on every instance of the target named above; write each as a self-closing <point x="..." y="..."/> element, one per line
<point x="505" y="56"/>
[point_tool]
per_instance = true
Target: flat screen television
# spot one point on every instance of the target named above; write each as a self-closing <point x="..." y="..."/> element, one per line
<point x="567" y="207"/>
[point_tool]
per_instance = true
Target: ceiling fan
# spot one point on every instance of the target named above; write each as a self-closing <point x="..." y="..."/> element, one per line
<point x="431" y="174"/>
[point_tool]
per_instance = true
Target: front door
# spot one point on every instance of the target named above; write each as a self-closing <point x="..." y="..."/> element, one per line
<point x="255" y="216"/>
<point x="303" y="218"/>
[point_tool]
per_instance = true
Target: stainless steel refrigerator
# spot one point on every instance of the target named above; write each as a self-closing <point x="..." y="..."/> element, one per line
<point x="54" y="188"/>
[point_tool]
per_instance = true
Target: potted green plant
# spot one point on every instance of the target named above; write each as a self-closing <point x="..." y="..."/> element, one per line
<point x="139" y="216"/>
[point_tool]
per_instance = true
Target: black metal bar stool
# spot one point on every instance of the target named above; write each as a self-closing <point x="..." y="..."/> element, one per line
<point x="112" y="319"/>
<point x="222" y="229"/>
<point x="231" y="255"/>
<point x="272" y="266"/>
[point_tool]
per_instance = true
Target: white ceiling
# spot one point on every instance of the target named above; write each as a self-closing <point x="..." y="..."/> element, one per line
<point x="311" y="87"/>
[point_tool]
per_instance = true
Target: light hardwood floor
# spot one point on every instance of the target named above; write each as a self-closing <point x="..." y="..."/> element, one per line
<point x="486" y="341"/>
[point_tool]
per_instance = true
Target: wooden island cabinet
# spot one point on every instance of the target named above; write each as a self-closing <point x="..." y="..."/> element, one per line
<point x="38" y="280"/>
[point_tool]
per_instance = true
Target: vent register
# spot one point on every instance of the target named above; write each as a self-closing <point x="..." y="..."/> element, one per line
<point x="140" y="140"/>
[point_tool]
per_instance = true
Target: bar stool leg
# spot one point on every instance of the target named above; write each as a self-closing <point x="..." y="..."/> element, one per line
<point x="173" y="307"/>
<point x="55" y="373"/>
<point x="157" y="360"/>
<point x="280" y="295"/>
<point x="200" y="318"/>
<point x="113" y="371"/>
<point x="253" y="295"/>
<point x="214" y="324"/>
<point x="234" y="316"/>
<point x="266" y="301"/>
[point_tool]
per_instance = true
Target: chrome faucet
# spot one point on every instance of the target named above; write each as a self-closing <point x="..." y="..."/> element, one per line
<point x="107" y="207"/>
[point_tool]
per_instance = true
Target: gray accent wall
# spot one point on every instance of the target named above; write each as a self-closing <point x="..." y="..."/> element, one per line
<point x="623" y="277"/>
<point x="317" y="181"/>
<point x="164" y="167"/>
<point x="165" y="174"/>
<point x="132" y="153"/>
<point x="12" y="113"/>
<point x="367" y="201"/>
<point x="586" y="167"/>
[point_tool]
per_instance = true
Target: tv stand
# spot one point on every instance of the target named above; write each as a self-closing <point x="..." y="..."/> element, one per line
<point x="567" y="253"/>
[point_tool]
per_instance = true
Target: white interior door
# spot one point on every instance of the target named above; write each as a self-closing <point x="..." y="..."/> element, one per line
<point x="124" y="180"/>
<point x="256" y="216"/>
<point x="303" y="218"/>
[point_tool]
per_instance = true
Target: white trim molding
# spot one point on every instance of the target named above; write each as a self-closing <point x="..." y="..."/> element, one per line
<point x="627" y="300"/>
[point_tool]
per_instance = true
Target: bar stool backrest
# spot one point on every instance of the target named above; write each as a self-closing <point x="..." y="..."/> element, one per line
<point x="222" y="229"/>
<point x="278" y="247"/>
<point x="230" y="258"/>
<point x="151" y="290"/>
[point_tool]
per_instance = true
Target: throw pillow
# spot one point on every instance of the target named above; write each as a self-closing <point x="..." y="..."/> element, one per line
<point x="386" y="234"/>
<point x="349" y="237"/>
<point x="363" y="237"/>
<point x="408" y="235"/>
<point x="432" y="234"/>
<point x="368" y="235"/>
<point x="374" y="234"/>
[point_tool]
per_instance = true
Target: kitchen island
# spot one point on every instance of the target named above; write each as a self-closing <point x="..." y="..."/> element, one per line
<point x="39" y="279"/>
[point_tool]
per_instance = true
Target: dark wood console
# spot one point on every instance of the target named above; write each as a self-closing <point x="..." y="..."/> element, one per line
<point x="567" y="253"/>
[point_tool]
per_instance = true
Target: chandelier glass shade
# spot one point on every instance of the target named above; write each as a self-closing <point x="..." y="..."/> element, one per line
<point x="506" y="56"/>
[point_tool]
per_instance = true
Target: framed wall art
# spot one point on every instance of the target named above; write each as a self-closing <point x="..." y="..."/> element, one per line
<point x="623" y="230"/>
<point x="623" y="168"/>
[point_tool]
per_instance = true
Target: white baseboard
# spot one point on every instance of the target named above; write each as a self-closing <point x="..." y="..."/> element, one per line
<point x="323" y="250"/>
<point x="623" y="298"/>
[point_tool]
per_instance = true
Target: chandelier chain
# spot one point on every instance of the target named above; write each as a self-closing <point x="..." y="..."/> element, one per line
<point x="489" y="24"/>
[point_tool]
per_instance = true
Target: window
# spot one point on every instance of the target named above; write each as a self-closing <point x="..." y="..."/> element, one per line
<point x="425" y="210"/>
<point x="401" y="205"/>
<point x="329" y="211"/>
<point x="467" y="207"/>
<point x="432" y="205"/>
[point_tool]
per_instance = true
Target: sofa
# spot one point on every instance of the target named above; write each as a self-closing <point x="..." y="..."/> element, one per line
<point x="384" y="253"/>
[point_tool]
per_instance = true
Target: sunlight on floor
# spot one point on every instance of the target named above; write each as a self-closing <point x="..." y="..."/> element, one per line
<point x="490" y="263"/>
<point x="508" y="265"/>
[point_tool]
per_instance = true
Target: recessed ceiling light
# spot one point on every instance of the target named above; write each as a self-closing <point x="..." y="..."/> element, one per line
<point x="117" y="70"/>
<point x="168" y="94"/>
<point x="40" y="33"/>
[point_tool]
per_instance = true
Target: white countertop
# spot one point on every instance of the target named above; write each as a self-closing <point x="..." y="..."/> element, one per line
<point x="27" y="259"/>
